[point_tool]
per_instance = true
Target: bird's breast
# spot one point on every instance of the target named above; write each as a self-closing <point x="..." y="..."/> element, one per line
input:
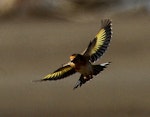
<point x="85" y="69"/>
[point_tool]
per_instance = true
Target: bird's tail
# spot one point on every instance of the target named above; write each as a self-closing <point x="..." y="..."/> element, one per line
<point x="98" y="68"/>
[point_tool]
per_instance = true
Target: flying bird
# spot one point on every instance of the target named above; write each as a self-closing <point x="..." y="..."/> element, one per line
<point x="83" y="63"/>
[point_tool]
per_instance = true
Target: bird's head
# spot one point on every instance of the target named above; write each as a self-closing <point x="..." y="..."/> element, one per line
<point x="76" y="58"/>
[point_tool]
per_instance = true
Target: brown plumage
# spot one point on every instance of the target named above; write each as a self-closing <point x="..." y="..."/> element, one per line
<point x="82" y="63"/>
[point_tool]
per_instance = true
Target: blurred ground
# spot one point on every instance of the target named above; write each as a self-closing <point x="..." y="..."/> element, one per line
<point x="31" y="48"/>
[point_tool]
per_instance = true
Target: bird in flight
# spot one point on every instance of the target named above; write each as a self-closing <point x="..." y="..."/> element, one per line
<point x="83" y="63"/>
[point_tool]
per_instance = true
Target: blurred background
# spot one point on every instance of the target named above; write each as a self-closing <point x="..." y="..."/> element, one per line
<point x="38" y="36"/>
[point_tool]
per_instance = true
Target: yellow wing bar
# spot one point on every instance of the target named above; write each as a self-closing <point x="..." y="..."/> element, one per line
<point x="98" y="46"/>
<point x="60" y="73"/>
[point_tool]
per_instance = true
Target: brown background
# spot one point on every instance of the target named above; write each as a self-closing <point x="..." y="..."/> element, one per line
<point x="31" y="48"/>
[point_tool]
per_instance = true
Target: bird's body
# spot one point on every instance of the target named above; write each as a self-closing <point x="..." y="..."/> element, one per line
<point x="83" y="63"/>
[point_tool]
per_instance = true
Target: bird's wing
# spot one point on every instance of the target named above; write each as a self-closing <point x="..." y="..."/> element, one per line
<point x="60" y="73"/>
<point x="99" y="44"/>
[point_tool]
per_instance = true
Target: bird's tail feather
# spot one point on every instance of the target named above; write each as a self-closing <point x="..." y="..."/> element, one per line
<point x="80" y="82"/>
<point x="98" y="68"/>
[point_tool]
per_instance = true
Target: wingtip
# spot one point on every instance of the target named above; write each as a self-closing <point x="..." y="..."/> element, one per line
<point x="106" y="22"/>
<point x="41" y="80"/>
<point x="37" y="81"/>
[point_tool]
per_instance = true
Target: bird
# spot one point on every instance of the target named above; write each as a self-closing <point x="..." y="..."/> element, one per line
<point x="83" y="63"/>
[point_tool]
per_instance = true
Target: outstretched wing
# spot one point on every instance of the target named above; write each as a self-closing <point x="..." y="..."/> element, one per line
<point x="98" y="46"/>
<point x="60" y="73"/>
